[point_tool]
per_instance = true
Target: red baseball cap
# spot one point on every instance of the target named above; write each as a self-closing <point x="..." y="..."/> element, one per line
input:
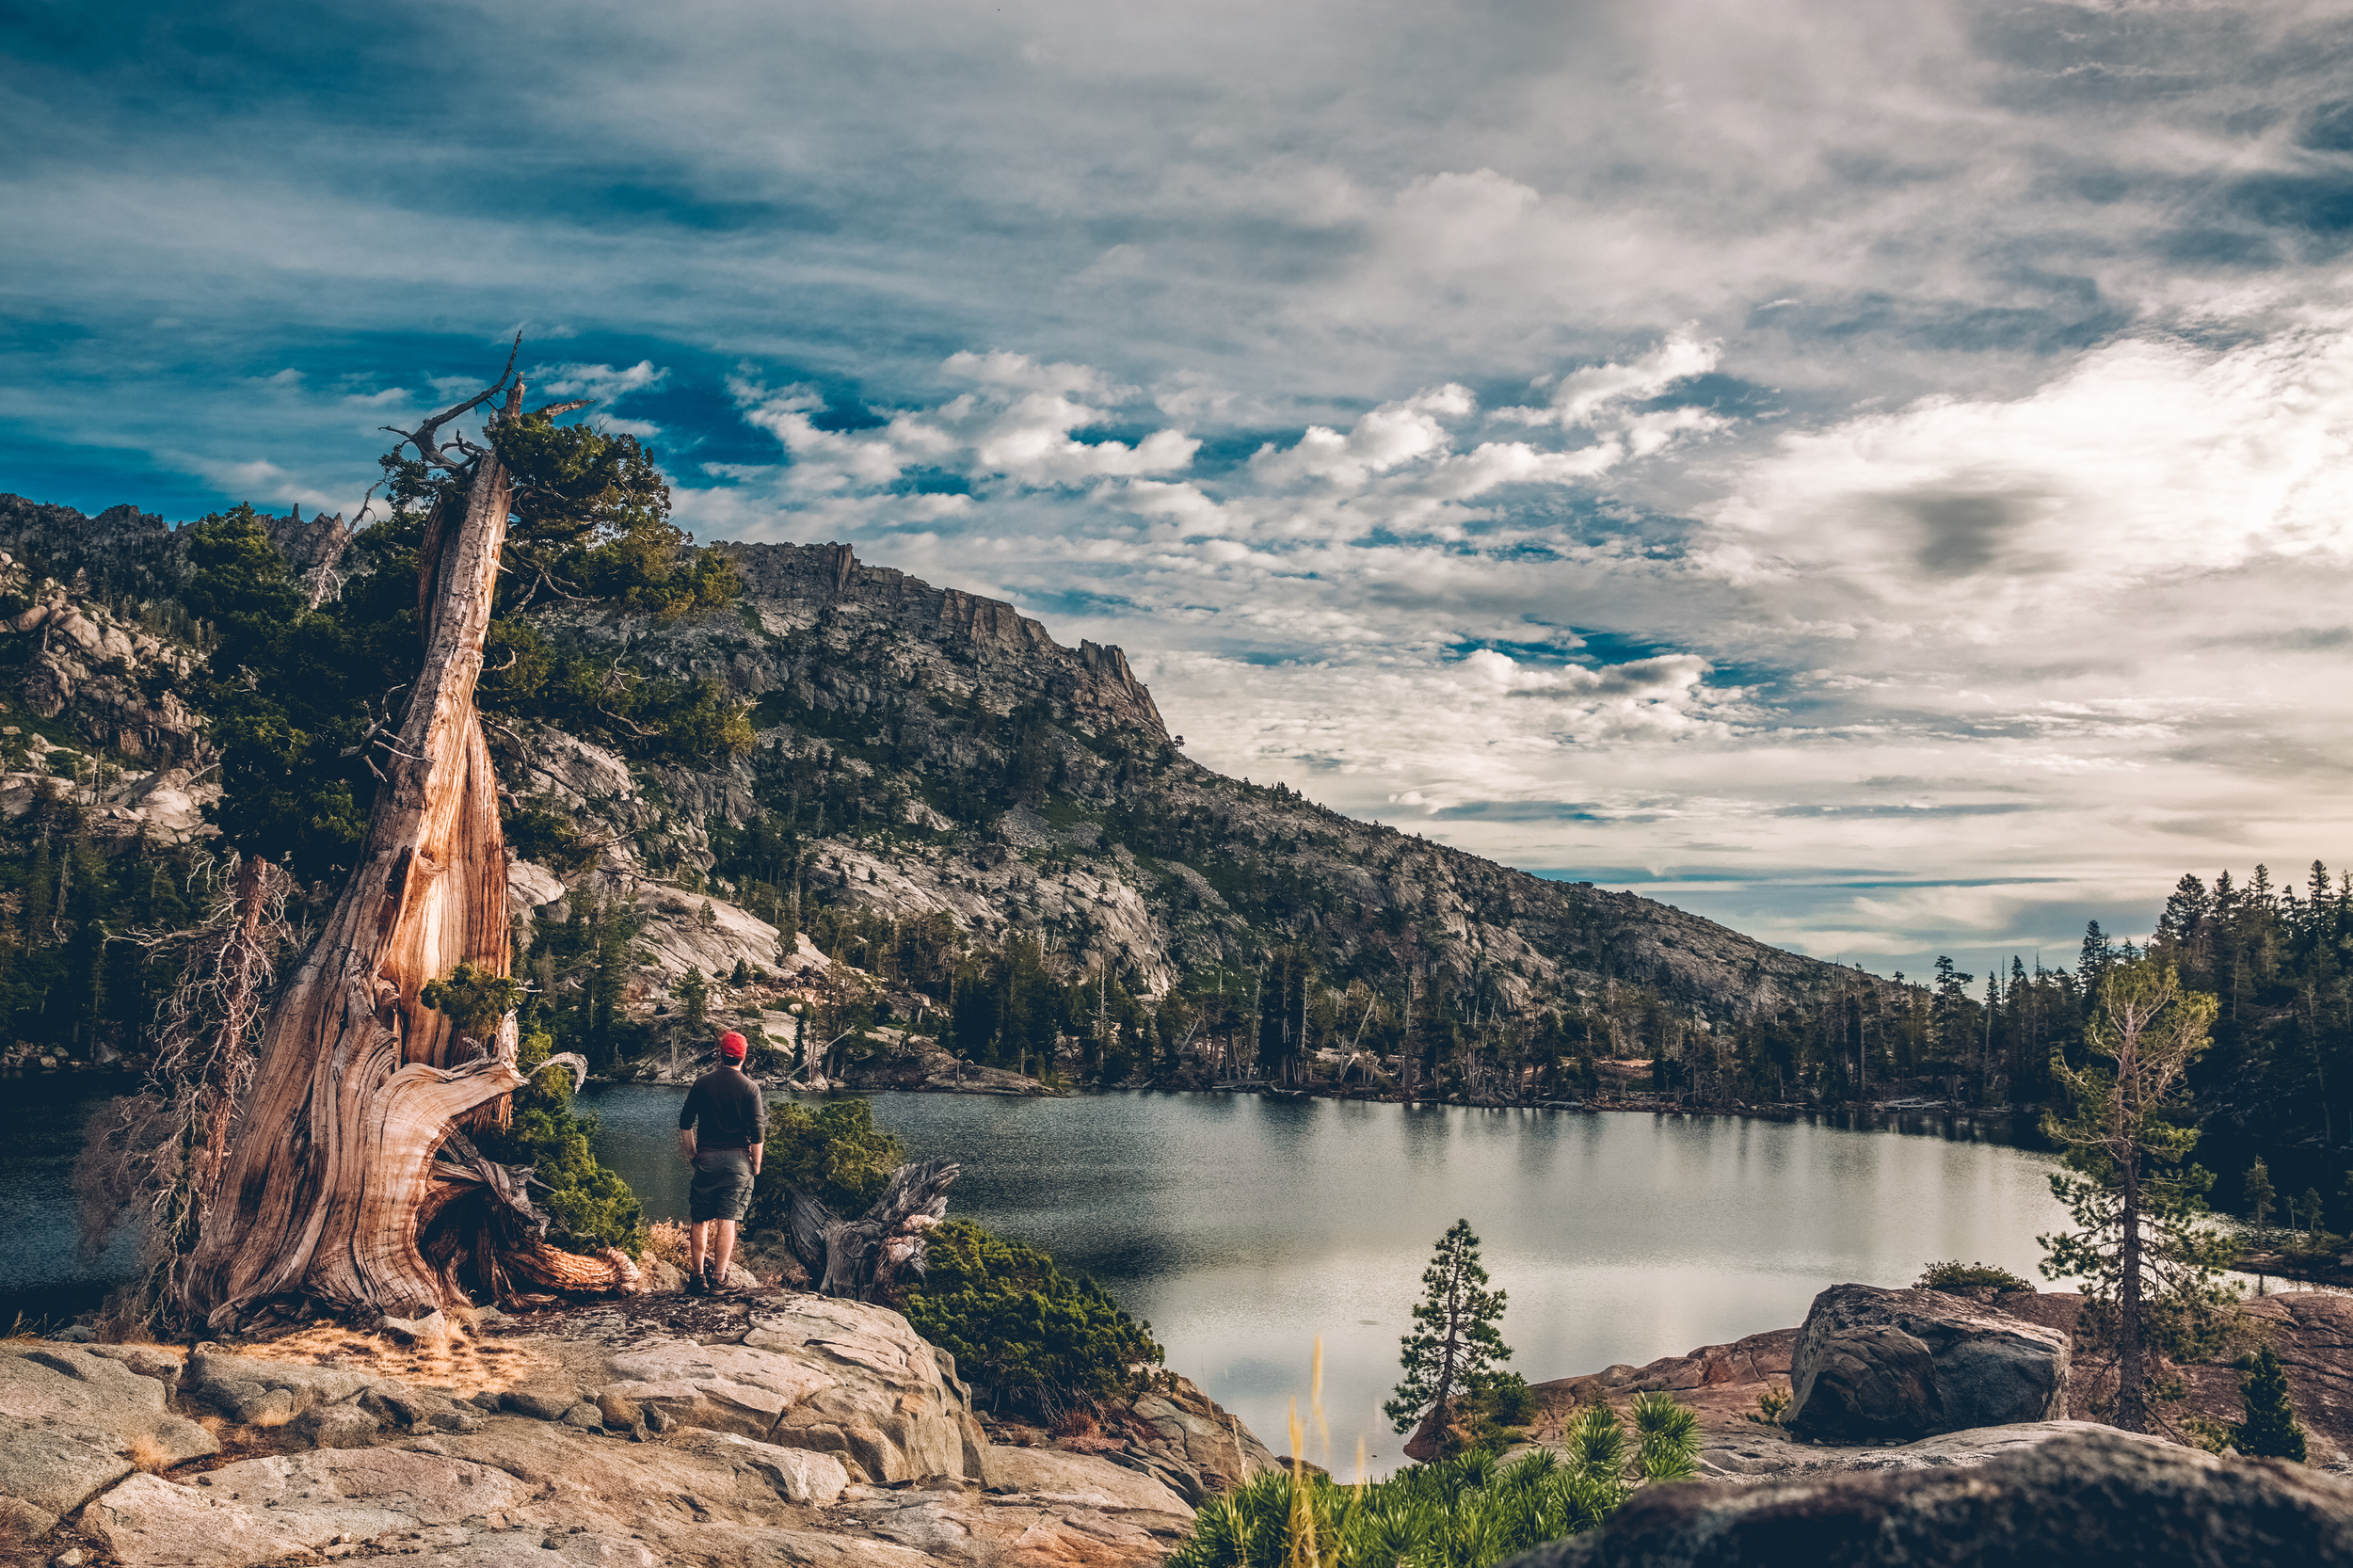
<point x="733" y="1044"/>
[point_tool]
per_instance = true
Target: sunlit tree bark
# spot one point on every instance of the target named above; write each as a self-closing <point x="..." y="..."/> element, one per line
<point x="333" y="1160"/>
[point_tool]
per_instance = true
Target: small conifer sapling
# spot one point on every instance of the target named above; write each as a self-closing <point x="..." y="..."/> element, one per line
<point x="2260" y="1197"/>
<point x="2268" y="1429"/>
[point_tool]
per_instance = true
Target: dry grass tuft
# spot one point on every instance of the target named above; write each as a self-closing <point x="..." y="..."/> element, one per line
<point x="455" y="1360"/>
<point x="667" y="1241"/>
<point x="268" y="1419"/>
<point x="147" y="1454"/>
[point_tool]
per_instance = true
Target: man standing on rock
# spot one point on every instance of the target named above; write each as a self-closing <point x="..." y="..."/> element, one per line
<point x="720" y="1130"/>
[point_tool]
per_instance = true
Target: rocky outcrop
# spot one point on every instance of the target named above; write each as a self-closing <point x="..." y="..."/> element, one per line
<point x="1875" y="1366"/>
<point x="919" y="1062"/>
<point x="2088" y="1499"/>
<point x="1178" y="1435"/>
<point x="74" y="1422"/>
<point x="997" y="651"/>
<point x="785" y="1427"/>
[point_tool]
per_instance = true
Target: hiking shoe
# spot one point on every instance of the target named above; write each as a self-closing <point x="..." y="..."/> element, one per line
<point x="699" y="1283"/>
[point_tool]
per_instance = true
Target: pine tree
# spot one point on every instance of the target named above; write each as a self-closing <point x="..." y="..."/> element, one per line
<point x="695" y="991"/>
<point x="2097" y="955"/>
<point x="2148" y="1271"/>
<point x="2269" y="1429"/>
<point x="1454" y="1347"/>
<point x="2259" y="1196"/>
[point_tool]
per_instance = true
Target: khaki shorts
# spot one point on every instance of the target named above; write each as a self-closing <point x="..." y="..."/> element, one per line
<point x="723" y="1185"/>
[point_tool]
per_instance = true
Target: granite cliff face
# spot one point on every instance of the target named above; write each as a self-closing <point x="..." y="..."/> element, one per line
<point x="1037" y="787"/>
<point x="925" y="752"/>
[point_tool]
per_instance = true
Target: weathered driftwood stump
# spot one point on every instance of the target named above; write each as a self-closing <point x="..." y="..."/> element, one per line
<point x="881" y="1252"/>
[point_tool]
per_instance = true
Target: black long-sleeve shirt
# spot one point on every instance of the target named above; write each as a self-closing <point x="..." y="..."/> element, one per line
<point x="724" y="1108"/>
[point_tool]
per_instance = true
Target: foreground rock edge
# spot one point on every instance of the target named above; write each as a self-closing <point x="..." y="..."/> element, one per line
<point x="831" y="1433"/>
<point x="2088" y="1499"/>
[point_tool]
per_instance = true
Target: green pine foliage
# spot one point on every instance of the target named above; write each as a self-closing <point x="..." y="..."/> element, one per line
<point x="1666" y="1437"/>
<point x="2149" y="1270"/>
<point x="69" y="983"/>
<point x="580" y="968"/>
<point x="288" y="695"/>
<point x="2256" y="1194"/>
<point x="588" y="1205"/>
<point x="834" y="1154"/>
<point x="1450" y="1354"/>
<point x="1031" y="1338"/>
<point x="2268" y="1429"/>
<point x="1468" y="1511"/>
<point x="474" y="998"/>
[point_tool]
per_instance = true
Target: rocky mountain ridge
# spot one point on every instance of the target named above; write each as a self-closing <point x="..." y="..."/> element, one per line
<point x="923" y="756"/>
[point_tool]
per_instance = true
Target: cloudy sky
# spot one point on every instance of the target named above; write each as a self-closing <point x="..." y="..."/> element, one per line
<point x="1874" y="474"/>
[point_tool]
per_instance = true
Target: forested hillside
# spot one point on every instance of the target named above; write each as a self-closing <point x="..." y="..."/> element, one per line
<point x="730" y="768"/>
<point x="921" y="781"/>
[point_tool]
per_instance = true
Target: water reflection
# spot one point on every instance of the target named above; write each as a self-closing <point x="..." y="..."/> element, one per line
<point x="1243" y="1227"/>
<point x="42" y="1276"/>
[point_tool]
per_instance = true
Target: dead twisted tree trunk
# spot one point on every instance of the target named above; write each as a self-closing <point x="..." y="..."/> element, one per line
<point x="331" y="1165"/>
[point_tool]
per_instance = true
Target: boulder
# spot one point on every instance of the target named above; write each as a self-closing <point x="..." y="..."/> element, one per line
<point x="429" y="1328"/>
<point x="419" y="1409"/>
<point x="28" y="1521"/>
<point x="797" y="1476"/>
<point x="147" y="1360"/>
<point x="336" y="1426"/>
<point x="2103" y="1499"/>
<point x="889" y="1404"/>
<point x="722" y="1387"/>
<point x="73" y="1423"/>
<point x="238" y="1385"/>
<point x="832" y="1376"/>
<point x="1178" y="1435"/>
<point x="1878" y="1366"/>
<point x="539" y="1404"/>
<point x="259" y="1509"/>
<point x="1083" y="1480"/>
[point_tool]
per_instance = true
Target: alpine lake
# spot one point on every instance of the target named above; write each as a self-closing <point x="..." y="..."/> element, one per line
<point x="1244" y="1228"/>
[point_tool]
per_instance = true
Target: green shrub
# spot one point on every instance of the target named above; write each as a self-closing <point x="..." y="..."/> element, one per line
<point x="1463" y="1513"/>
<point x="476" y="1001"/>
<point x="1969" y="1276"/>
<point x="835" y="1154"/>
<point x="1666" y="1437"/>
<point x="1469" y="1511"/>
<point x="588" y="1206"/>
<point x="1772" y="1404"/>
<point x="1025" y="1334"/>
<point x="2271" y="1429"/>
<point x="1506" y="1400"/>
<point x="539" y="832"/>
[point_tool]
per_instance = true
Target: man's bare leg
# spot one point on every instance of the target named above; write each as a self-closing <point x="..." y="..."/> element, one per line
<point x="726" y="1250"/>
<point x="696" y="1235"/>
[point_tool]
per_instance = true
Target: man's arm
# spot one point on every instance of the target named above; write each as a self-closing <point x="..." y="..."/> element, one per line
<point x="688" y="1115"/>
<point x="756" y="1158"/>
<point x="686" y="1145"/>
